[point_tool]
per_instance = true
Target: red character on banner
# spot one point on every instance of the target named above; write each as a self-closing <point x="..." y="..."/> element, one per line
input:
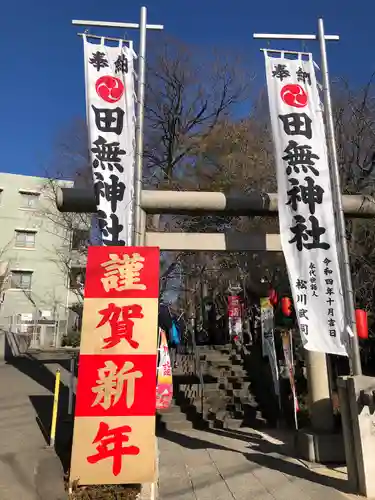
<point x="110" y="444"/>
<point x="167" y="372"/>
<point x="123" y="273"/>
<point x="111" y="383"/>
<point x="121" y="322"/>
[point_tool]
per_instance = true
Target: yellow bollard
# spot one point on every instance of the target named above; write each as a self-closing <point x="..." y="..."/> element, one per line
<point x="55" y="408"/>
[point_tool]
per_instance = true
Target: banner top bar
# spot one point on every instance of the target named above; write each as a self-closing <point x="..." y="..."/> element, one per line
<point x="110" y="38"/>
<point x="281" y="36"/>
<point x="273" y="51"/>
<point x="105" y="24"/>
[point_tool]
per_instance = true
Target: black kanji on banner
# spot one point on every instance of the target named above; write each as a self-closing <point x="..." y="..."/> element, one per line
<point x="281" y="72"/>
<point x="330" y="292"/>
<point x="301" y="284"/>
<point x="300" y="157"/>
<point x="121" y="64"/>
<point x="308" y="238"/>
<point x="310" y="194"/>
<point x="98" y="60"/>
<point x="109" y="120"/>
<point x="110" y="229"/>
<point x="112" y="191"/>
<point x="302" y="314"/>
<point x="107" y="155"/>
<point x="297" y="124"/>
<point x="303" y="76"/>
<point x="313" y="280"/>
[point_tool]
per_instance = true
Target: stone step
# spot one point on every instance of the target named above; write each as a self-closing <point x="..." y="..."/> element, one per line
<point x="238" y="394"/>
<point x="234" y="379"/>
<point x="173" y="417"/>
<point x="176" y="426"/>
<point x="210" y="387"/>
<point x="232" y="423"/>
<point x="174" y="408"/>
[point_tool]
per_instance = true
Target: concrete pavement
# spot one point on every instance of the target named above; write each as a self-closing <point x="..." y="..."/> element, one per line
<point x="25" y="391"/>
<point x="239" y="465"/>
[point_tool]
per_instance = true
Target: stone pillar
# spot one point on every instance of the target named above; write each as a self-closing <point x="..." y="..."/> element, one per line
<point x="320" y="403"/>
<point x="320" y="443"/>
<point x="360" y="391"/>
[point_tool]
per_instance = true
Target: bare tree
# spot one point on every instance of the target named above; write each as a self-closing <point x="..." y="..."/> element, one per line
<point x="188" y="91"/>
<point x="355" y="132"/>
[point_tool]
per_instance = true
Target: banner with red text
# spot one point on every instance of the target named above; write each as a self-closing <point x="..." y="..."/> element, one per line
<point x="164" y="387"/>
<point x="235" y="316"/>
<point x="114" y="425"/>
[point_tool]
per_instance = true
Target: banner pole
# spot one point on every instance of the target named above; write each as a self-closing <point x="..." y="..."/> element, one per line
<point x="137" y="230"/>
<point x="347" y="286"/>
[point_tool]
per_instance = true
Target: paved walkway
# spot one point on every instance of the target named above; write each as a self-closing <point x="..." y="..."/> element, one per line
<point x="25" y="392"/>
<point x="19" y="434"/>
<point x="194" y="465"/>
<point x="239" y="465"/>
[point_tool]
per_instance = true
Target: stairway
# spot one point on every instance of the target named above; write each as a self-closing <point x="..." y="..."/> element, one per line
<point x="227" y="400"/>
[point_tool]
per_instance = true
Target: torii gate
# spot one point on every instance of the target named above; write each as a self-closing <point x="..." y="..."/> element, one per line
<point x="208" y="203"/>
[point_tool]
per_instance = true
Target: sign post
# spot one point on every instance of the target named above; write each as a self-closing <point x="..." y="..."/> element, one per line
<point x="114" y="424"/>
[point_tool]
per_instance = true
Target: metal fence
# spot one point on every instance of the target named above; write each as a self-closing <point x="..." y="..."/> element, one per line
<point x="33" y="334"/>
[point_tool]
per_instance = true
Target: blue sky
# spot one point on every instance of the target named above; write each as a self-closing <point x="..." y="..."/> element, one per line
<point x="41" y="80"/>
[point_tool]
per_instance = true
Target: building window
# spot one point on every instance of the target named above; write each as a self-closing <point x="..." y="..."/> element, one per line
<point x="29" y="200"/>
<point x="77" y="278"/>
<point x="25" y="239"/>
<point x="1" y="195"/>
<point x="21" y="280"/>
<point x="80" y="239"/>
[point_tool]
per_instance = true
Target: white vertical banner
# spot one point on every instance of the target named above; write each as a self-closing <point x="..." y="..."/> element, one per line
<point x="287" y="339"/>
<point x="307" y="223"/>
<point x="268" y="341"/>
<point x="110" y="110"/>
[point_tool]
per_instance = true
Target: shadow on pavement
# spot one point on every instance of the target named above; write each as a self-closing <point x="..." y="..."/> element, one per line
<point x="189" y="442"/>
<point x="298" y="471"/>
<point x="64" y="428"/>
<point x="257" y="460"/>
<point x="43" y="405"/>
<point x="258" y="442"/>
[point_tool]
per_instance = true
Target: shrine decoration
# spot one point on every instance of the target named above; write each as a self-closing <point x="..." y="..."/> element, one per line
<point x="114" y="425"/>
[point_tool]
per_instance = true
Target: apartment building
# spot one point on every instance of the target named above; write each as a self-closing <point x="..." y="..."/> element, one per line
<point x="34" y="245"/>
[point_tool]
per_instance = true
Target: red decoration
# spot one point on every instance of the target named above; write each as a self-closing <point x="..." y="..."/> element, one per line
<point x="110" y="444"/>
<point x="294" y="95"/>
<point x="286" y="306"/>
<point x="273" y="298"/>
<point x="362" y="325"/>
<point x="126" y="272"/>
<point x="121" y="323"/>
<point x="234" y="306"/>
<point x="109" y="88"/>
<point x="116" y="385"/>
